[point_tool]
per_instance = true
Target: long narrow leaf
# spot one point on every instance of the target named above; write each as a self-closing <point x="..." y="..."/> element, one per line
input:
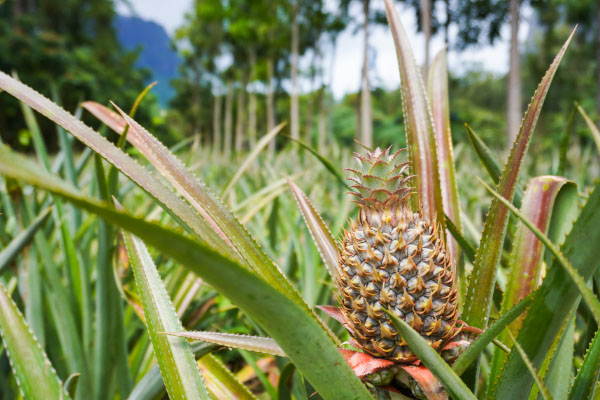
<point x="252" y="343"/>
<point x="34" y="373"/>
<point x="113" y="155"/>
<point x="594" y="131"/>
<point x="211" y="208"/>
<point x="587" y="377"/>
<point x="420" y="133"/>
<point x="177" y="366"/>
<point x="587" y="293"/>
<point x="526" y="257"/>
<point x="319" y="231"/>
<point x="440" y="108"/>
<point x="106" y="115"/>
<point x="471" y="353"/>
<point x="151" y="386"/>
<point x="262" y="143"/>
<point x="432" y="360"/>
<point x="22" y="239"/>
<point x="554" y="300"/>
<point x="326" y="163"/>
<point x="221" y="382"/>
<point x="479" y="293"/>
<point x="466" y="247"/>
<point x="299" y="334"/>
<point x="489" y="161"/>
<point x="540" y="384"/>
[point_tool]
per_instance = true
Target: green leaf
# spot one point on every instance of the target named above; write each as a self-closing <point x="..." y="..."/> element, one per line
<point x="587" y="377"/>
<point x="440" y="109"/>
<point x="298" y="333"/>
<point x="554" y="300"/>
<point x="262" y="143"/>
<point x="558" y="375"/>
<point x="245" y="342"/>
<point x="543" y="389"/>
<point x="489" y="161"/>
<point x="34" y="373"/>
<point x="481" y="285"/>
<point x="177" y="365"/>
<point x="432" y="360"/>
<point x="525" y="265"/>
<point x="240" y="245"/>
<point x="587" y="293"/>
<point x="461" y="240"/>
<point x="151" y="386"/>
<point x="320" y="233"/>
<point x="471" y="353"/>
<point x="326" y="163"/>
<point x="22" y="239"/>
<point x="221" y="382"/>
<point x="420" y="132"/>
<point x="169" y="200"/>
<point x="591" y="126"/>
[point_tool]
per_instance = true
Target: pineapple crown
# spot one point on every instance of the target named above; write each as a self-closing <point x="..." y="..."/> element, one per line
<point x="379" y="180"/>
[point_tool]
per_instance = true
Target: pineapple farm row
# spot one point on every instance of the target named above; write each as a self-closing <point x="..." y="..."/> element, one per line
<point x="131" y="270"/>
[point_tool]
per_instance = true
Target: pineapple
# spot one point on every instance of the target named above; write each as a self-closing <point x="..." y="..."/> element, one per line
<point x="393" y="258"/>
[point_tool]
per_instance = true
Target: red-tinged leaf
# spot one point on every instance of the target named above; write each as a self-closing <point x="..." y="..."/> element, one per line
<point x="528" y="251"/>
<point x="167" y="168"/>
<point x="429" y="384"/>
<point x="107" y="116"/>
<point x="333" y="312"/>
<point x="440" y="108"/>
<point x="363" y="364"/>
<point x="319" y="231"/>
<point x="336" y="313"/>
<point x="420" y="134"/>
<point x="479" y="293"/>
<point x="565" y="281"/>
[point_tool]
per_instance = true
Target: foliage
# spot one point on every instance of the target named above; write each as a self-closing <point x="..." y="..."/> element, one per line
<point x="94" y="296"/>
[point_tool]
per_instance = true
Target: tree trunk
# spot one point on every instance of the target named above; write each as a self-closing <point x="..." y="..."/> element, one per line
<point x="426" y="26"/>
<point x="270" y="102"/>
<point x="321" y="128"/>
<point x="309" y="119"/>
<point x="228" y="119"/>
<point x="366" y="124"/>
<point x="17" y="10"/>
<point x="294" y="107"/>
<point x="217" y="134"/>
<point x="252" y="129"/>
<point x="240" y="118"/>
<point x="598" y="61"/>
<point x="447" y="22"/>
<point x="513" y="107"/>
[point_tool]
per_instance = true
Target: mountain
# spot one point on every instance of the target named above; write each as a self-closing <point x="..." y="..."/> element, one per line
<point x="156" y="53"/>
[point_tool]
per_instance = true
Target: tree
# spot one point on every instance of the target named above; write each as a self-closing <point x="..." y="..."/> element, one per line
<point x="74" y="48"/>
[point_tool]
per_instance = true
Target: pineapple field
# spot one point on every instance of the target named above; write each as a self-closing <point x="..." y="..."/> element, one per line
<point x="428" y="266"/>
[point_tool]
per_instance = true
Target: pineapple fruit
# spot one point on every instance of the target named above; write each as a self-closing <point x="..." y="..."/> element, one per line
<point x="394" y="259"/>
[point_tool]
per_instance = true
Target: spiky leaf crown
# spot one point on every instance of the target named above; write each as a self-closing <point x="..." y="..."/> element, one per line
<point x="379" y="179"/>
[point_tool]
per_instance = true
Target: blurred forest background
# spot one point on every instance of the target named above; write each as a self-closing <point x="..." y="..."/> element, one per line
<point x="231" y="72"/>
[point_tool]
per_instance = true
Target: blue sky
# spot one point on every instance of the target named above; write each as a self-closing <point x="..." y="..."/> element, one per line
<point x="347" y="62"/>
